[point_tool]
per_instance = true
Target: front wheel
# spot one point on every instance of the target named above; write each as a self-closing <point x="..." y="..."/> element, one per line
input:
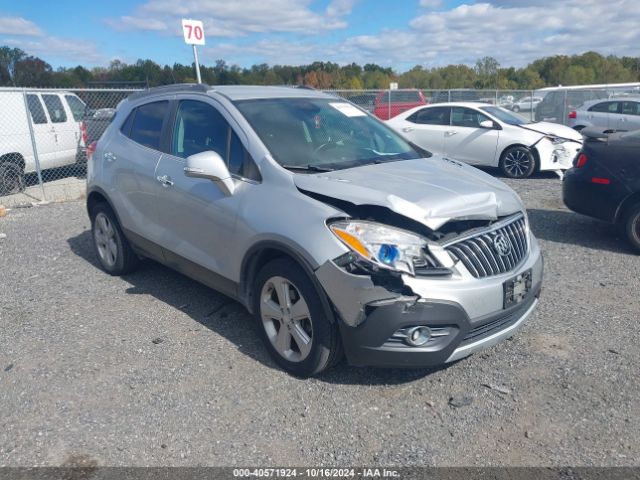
<point x="632" y="226"/>
<point x="292" y="320"/>
<point x="11" y="178"/>
<point x="518" y="162"/>
<point x="516" y="109"/>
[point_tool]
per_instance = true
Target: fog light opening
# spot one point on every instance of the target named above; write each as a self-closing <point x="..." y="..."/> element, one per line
<point x="418" y="336"/>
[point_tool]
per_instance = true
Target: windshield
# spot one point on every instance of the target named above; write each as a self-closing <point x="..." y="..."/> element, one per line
<point x="327" y="134"/>
<point x="504" y="115"/>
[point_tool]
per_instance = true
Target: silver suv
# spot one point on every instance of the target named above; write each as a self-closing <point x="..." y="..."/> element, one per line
<point x="334" y="231"/>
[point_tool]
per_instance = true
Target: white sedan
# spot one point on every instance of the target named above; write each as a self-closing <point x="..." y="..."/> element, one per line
<point x="487" y="135"/>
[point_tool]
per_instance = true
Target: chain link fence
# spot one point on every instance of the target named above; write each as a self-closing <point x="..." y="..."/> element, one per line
<point x="45" y="134"/>
<point x="44" y="138"/>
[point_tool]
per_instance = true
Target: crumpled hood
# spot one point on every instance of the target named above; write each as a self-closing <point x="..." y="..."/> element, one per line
<point x="548" y="128"/>
<point x="430" y="191"/>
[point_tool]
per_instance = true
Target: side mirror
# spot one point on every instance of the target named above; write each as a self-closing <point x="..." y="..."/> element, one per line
<point x="209" y="165"/>
<point x="489" y="124"/>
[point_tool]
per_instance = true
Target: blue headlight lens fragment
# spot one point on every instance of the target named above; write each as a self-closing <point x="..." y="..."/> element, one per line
<point x="388" y="254"/>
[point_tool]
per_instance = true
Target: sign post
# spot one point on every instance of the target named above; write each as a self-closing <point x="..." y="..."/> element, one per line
<point x="193" y="32"/>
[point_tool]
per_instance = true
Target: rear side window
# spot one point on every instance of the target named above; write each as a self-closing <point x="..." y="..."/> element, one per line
<point x="431" y="116"/>
<point x="76" y="106"/>
<point x="146" y="125"/>
<point x="36" y="110"/>
<point x="605" y="107"/>
<point x="55" y="108"/>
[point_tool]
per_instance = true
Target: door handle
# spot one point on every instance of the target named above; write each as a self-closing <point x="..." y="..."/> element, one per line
<point x="450" y="133"/>
<point x="109" y="157"/>
<point x="407" y="129"/>
<point x="165" y="180"/>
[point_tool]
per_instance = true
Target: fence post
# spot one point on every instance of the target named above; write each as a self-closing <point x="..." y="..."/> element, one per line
<point x="389" y="106"/>
<point x="33" y="143"/>
<point x="449" y="95"/>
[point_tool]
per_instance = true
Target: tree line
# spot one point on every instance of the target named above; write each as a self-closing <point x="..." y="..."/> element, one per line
<point x="17" y="68"/>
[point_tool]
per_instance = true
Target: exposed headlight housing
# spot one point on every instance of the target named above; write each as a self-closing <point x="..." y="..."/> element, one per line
<point x="555" y="140"/>
<point x="386" y="247"/>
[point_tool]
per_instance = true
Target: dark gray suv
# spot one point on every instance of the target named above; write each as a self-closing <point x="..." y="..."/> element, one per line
<point x="338" y="234"/>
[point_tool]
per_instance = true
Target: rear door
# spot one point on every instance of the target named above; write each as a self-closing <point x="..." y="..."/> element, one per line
<point x="77" y="109"/>
<point x="61" y="121"/>
<point x="466" y="141"/>
<point x="604" y="114"/>
<point x="130" y="157"/>
<point x="44" y="133"/>
<point x="426" y="128"/>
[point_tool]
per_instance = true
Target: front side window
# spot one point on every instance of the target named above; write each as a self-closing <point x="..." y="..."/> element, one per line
<point x="76" y="106"/>
<point x="199" y="127"/>
<point x="36" y="110"/>
<point x="466" y="117"/>
<point x="631" y="108"/>
<point x="55" y="108"/>
<point x="146" y="124"/>
<point x="322" y="133"/>
<point x="431" y="116"/>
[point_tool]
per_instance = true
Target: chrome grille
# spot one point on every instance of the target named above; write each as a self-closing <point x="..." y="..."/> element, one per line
<point x="479" y="252"/>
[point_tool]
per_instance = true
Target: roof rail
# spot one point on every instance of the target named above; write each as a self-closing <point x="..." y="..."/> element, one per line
<point x="178" y="87"/>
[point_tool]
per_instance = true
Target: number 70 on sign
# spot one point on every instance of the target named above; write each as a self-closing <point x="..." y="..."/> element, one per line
<point x="193" y="31"/>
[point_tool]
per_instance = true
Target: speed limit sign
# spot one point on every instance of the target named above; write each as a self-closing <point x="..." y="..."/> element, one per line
<point x="193" y="31"/>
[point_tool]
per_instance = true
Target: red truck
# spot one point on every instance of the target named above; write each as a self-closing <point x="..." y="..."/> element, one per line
<point x="390" y="103"/>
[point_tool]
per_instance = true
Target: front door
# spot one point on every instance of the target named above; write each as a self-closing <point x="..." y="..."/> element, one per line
<point x="196" y="216"/>
<point x="467" y="141"/>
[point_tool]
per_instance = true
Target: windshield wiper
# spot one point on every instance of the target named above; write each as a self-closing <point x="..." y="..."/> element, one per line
<point x="308" y="168"/>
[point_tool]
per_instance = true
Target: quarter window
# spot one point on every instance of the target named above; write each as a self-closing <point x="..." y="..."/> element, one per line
<point x="36" y="110"/>
<point x="55" y="108"/>
<point x="146" y="125"/>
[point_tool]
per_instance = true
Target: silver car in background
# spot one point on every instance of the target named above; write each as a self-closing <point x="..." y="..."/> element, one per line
<point x="337" y="234"/>
<point x="611" y="114"/>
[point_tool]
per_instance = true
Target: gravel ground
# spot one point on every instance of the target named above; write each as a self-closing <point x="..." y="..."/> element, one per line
<point x="155" y="369"/>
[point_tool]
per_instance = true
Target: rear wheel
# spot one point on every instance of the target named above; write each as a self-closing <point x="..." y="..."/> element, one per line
<point x="632" y="226"/>
<point x="114" y="253"/>
<point x="518" y="162"/>
<point x="292" y="320"/>
<point x="516" y="108"/>
<point x="11" y="178"/>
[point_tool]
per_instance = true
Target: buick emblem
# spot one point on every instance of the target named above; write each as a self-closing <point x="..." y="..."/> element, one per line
<point x="502" y="245"/>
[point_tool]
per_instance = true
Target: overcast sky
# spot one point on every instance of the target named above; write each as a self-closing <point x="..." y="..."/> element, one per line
<point x="399" y="34"/>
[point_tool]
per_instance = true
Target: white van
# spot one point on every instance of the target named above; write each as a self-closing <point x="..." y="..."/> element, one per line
<point x="56" y="117"/>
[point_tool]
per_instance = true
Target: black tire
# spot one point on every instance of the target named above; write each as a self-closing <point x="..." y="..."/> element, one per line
<point x="518" y="162"/>
<point x="578" y="128"/>
<point x="632" y="226"/>
<point x="516" y="109"/>
<point x="325" y="343"/>
<point x="124" y="260"/>
<point x="11" y="178"/>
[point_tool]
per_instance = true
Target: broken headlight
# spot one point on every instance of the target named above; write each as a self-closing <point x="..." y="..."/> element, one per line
<point x="385" y="246"/>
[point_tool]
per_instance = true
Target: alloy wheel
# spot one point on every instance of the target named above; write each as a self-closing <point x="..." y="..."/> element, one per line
<point x="517" y="162"/>
<point x="105" y="238"/>
<point x="286" y="319"/>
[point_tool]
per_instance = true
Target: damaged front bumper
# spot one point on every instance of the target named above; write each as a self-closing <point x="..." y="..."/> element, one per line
<point x="464" y="314"/>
